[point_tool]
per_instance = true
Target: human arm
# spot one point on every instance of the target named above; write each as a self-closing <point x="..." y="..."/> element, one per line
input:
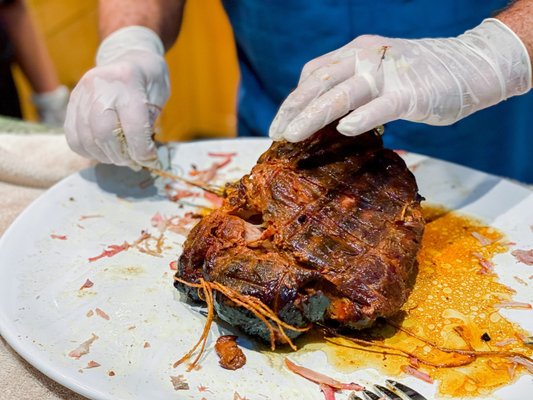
<point x="31" y="55"/>
<point x="161" y="16"/>
<point x="112" y="110"/>
<point x="519" y="18"/>
<point x="374" y="79"/>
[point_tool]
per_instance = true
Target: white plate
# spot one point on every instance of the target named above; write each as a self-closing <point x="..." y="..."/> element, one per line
<point x="43" y="312"/>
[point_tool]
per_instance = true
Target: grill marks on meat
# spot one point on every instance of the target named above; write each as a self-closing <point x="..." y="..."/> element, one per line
<point x="326" y="230"/>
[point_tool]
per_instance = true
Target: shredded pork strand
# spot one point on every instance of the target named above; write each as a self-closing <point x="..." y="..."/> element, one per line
<point x="513" y="304"/>
<point x="179" y="382"/>
<point x="487" y="267"/>
<point x="83" y="348"/>
<point x="142" y="244"/>
<point x="208" y="296"/>
<point x="197" y="183"/>
<point x="92" y="364"/>
<point x="408" y="369"/>
<point x="88" y="284"/>
<point x="328" y="391"/>
<point x="505" y="342"/>
<point x="524" y="256"/>
<point x="319" y="378"/>
<point x="253" y="304"/>
<point x="525" y="362"/>
<point x="483" y="240"/>
<point x="101" y="314"/>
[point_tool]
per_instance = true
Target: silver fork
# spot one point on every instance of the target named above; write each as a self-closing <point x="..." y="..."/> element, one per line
<point x="393" y="391"/>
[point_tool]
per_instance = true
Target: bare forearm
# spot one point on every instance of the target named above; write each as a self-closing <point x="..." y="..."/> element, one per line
<point x="30" y="50"/>
<point x="519" y="17"/>
<point x="162" y="16"/>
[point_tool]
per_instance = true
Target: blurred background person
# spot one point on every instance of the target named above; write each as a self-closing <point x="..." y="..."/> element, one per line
<point x="22" y="43"/>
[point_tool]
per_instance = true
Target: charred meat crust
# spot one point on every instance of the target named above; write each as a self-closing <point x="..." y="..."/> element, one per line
<point x="326" y="230"/>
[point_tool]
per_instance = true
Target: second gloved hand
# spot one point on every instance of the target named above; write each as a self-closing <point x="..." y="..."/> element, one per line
<point x="52" y="106"/>
<point x="112" y="110"/>
<point x="434" y="81"/>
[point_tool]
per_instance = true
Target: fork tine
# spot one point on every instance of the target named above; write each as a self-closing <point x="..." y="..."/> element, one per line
<point x="386" y="392"/>
<point x="370" y="396"/>
<point x="406" y="390"/>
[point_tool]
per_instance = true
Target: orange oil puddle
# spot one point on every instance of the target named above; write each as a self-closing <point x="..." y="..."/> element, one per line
<point x="451" y="305"/>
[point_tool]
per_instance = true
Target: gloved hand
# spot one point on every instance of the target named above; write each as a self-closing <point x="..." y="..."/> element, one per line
<point x="434" y="81"/>
<point x="113" y="108"/>
<point x="52" y="106"/>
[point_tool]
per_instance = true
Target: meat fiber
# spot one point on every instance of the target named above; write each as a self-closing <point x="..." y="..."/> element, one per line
<point x="322" y="231"/>
<point x="229" y="354"/>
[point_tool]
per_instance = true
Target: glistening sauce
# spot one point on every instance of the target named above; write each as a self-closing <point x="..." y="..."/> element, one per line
<point x="454" y="304"/>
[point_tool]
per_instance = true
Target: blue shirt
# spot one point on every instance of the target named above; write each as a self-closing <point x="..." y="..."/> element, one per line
<point x="275" y="38"/>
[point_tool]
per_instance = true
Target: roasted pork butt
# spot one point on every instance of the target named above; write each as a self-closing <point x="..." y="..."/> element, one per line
<point x="322" y="231"/>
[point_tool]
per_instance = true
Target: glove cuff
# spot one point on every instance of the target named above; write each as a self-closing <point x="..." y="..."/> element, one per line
<point x="508" y="55"/>
<point x="126" y="39"/>
<point x="53" y="99"/>
<point x="51" y="106"/>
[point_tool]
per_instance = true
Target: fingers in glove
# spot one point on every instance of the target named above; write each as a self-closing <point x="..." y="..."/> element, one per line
<point x="332" y="57"/>
<point x="80" y="133"/>
<point x="333" y="104"/>
<point x="72" y="127"/>
<point x="138" y="131"/>
<point x="375" y="113"/>
<point x="104" y="127"/>
<point x="319" y="62"/>
<point x="317" y="83"/>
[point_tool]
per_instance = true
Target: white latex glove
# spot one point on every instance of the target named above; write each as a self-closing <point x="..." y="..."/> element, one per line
<point x="112" y="110"/>
<point x="434" y="81"/>
<point x="52" y="106"/>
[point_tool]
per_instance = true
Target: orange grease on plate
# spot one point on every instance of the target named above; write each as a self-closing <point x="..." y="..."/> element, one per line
<point x="450" y="293"/>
